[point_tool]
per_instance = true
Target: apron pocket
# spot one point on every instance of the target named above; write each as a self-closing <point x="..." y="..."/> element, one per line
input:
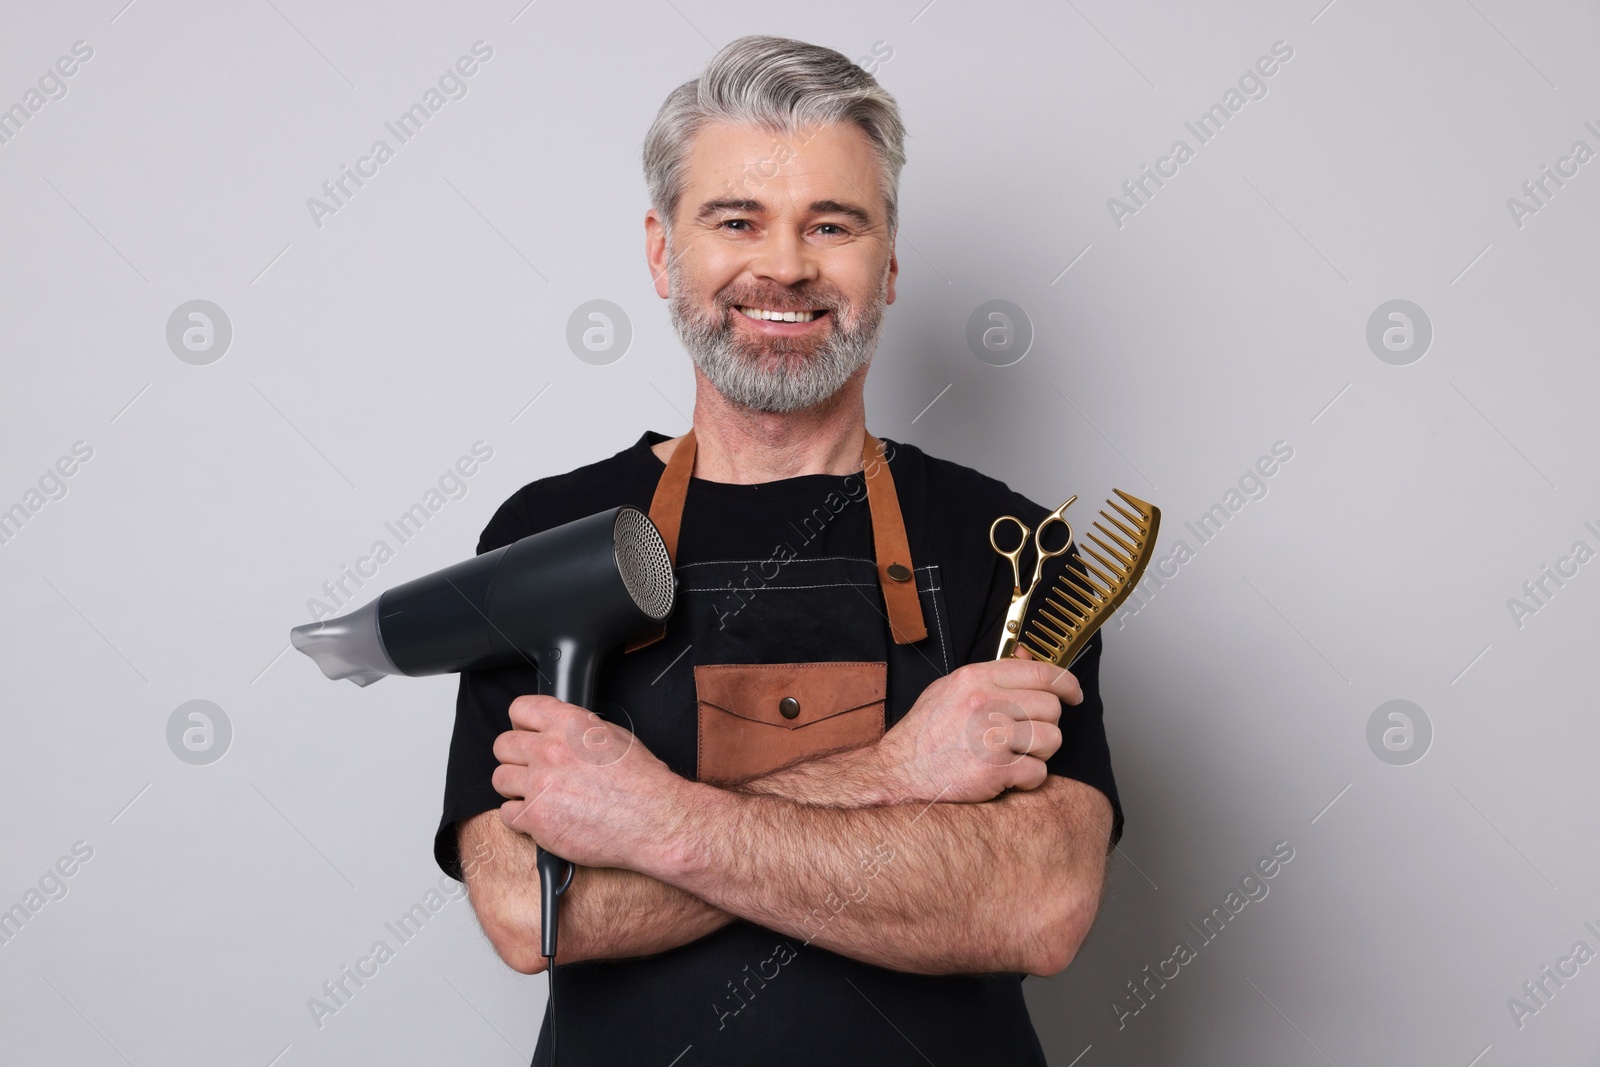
<point x="755" y="718"/>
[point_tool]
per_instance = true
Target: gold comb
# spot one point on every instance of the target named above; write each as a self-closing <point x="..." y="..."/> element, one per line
<point x="1110" y="561"/>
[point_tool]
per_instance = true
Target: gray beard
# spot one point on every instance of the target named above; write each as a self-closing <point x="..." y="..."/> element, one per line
<point x="795" y="380"/>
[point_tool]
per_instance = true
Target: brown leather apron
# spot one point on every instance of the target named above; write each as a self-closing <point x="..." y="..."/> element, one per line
<point x="802" y="664"/>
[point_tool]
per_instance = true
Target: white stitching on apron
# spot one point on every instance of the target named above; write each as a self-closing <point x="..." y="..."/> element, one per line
<point x="780" y="588"/>
<point x="931" y="569"/>
<point x="792" y="562"/>
<point x="938" y="621"/>
<point x="782" y="563"/>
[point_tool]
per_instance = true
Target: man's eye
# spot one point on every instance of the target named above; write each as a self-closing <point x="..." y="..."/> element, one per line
<point x="736" y="222"/>
<point x="834" y="225"/>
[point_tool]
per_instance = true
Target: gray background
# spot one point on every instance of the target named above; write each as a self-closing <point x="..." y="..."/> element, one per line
<point x="1228" y="314"/>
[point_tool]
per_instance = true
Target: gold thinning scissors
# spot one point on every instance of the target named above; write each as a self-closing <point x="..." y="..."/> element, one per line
<point x="1019" y="595"/>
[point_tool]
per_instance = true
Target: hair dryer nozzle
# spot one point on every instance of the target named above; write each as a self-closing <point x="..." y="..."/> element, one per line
<point x="350" y="646"/>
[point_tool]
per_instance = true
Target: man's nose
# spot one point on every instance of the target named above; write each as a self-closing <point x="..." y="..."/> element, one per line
<point x="784" y="257"/>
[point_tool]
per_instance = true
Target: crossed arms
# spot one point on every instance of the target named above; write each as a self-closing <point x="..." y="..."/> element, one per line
<point x="944" y="847"/>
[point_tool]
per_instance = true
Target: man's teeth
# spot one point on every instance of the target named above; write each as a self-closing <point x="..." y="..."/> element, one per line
<point x="779" y="316"/>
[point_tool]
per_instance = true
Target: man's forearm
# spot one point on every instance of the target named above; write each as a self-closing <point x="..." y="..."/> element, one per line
<point x="606" y="913"/>
<point x="852" y="778"/>
<point x="611" y="913"/>
<point x="1007" y="885"/>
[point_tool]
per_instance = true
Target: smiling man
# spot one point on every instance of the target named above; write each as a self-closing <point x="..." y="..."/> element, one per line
<point x="814" y="821"/>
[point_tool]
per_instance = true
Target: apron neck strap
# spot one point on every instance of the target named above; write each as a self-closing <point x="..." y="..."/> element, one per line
<point x="896" y="572"/>
<point x="666" y="507"/>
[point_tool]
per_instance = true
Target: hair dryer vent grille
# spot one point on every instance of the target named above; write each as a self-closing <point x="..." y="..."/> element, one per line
<point x="644" y="563"/>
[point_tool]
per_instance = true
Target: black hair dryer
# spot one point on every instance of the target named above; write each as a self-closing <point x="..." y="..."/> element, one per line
<point x="560" y="599"/>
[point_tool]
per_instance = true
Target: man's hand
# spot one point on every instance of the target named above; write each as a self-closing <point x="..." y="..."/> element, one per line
<point x="978" y="731"/>
<point x="584" y="788"/>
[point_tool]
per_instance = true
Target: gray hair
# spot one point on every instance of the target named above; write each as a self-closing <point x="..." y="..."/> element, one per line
<point x="780" y="85"/>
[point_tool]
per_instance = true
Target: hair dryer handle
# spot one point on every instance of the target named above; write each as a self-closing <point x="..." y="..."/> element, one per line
<point x="566" y="672"/>
<point x="555" y="875"/>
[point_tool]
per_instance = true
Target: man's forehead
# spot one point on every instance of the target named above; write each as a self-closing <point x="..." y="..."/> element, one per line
<point x="731" y="162"/>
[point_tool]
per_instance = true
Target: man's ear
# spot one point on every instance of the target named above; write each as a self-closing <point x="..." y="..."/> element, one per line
<point x="655" y="252"/>
<point x="894" y="270"/>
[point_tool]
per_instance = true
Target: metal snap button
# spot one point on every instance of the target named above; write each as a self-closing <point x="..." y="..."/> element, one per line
<point x="788" y="707"/>
<point x="899" y="572"/>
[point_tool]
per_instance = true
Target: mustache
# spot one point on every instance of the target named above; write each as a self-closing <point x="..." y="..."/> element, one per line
<point x="787" y="302"/>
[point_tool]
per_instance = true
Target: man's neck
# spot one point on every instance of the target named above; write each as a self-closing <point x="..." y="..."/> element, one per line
<point x="734" y="444"/>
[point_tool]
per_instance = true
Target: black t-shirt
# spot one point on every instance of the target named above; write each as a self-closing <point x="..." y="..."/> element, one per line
<point x="725" y="521"/>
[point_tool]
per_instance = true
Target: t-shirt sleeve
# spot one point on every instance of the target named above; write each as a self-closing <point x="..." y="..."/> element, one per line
<point x="1084" y="754"/>
<point x="483" y="702"/>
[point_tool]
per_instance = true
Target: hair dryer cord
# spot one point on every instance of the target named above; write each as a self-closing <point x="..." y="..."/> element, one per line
<point x="555" y="876"/>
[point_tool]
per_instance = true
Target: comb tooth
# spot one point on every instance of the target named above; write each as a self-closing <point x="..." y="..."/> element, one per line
<point x="1124" y="559"/>
<point x="1063" y="632"/>
<point x="1060" y="637"/>
<point x="1127" y="546"/>
<point x="1117" y="570"/>
<point x="1066" y="616"/>
<point x="1105" y="582"/>
<point x="1086" y="583"/>
<point x="1051" y="654"/>
<point x="1142" y="507"/>
<point x="1138" y="516"/>
<point x="1069" y="605"/>
<point x="1092" y="561"/>
<point x="1136" y="531"/>
<point x="1043" y="632"/>
<point x="1081" y="593"/>
<point x="1102" y="533"/>
<point x="1085" y="593"/>
<point x="1045" y="649"/>
<point x="1118" y="563"/>
<point x="1078" y="604"/>
<point x="1085" y="571"/>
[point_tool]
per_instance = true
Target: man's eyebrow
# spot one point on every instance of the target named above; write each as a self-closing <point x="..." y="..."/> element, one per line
<point x="838" y="207"/>
<point x="711" y="208"/>
<point x="727" y="203"/>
